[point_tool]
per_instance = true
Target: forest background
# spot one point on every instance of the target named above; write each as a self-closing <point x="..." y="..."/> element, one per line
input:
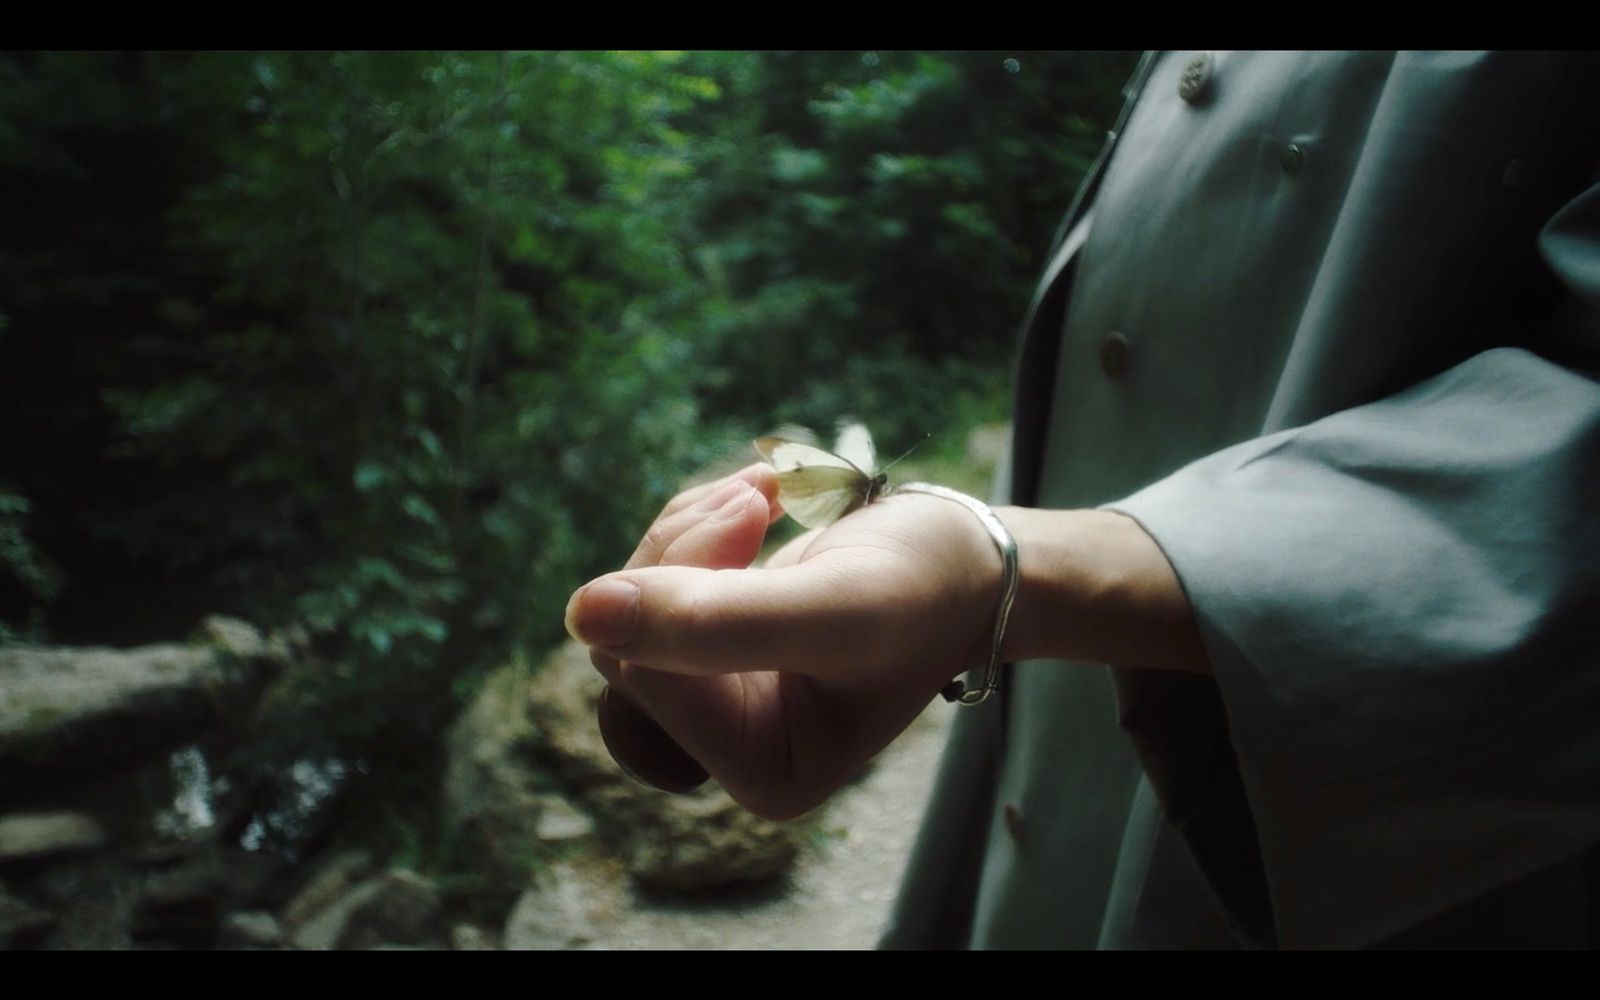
<point x="402" y="347"/>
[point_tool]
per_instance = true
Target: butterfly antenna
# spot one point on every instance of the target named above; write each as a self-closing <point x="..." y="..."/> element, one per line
<point x="908" y="452"/>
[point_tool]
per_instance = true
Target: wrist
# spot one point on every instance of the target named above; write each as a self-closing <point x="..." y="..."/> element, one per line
<point x="1095" y="586"/>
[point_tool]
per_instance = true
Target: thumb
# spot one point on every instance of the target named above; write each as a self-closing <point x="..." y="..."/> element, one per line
<point x="690" y="620"/>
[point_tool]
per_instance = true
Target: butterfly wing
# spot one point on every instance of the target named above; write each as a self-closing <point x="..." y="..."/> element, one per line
<point x="855" y="446"/>
<point x="816" y="487"/>
<point x="819" y="496"/>
<point x="786" y="455"/>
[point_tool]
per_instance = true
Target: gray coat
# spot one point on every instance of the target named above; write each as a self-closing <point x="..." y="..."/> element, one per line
<point x="1321" y="323"/>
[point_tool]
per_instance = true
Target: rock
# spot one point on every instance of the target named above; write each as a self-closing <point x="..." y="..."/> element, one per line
<point x="553" y="915"/>
<point x="331" y="881"/>
<point x="705" y="841"/>
<point x="35" y="837"/>
<point x="560" y="823"/>
<point x="323" y="931"/>
<point x="93" y="899"/>
<point x="471" y="937"/>
<point x="493" y="798"/>
<point x="22" y="925"/>
<point x="238" y="638"/>
<point x="395" y="908"/>
<point x="75" y="709"/>
<point x="182" y="906"/>
<point x="249" y="930"/>
<point x="252" y="879"/>
<point x="184" y="902"/>
<point x="403" y="912"/>
<point x="187" y="878"/>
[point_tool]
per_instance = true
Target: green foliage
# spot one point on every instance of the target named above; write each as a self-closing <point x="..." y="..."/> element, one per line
<point x="23" y="569"/>
<point x="404" y="346"/>
<point x="887" y="214"/>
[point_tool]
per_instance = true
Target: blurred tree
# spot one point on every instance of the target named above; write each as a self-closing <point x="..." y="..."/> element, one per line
<point x="875" y="222"/>
<point x="435" y="371"/>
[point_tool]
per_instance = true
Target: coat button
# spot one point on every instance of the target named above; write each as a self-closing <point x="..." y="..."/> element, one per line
<point x="1292" y="158"/>
<point x="1196" y="76"/>
<point x="1513" y="174"/>
<point x="1013" y="818"/>
<point x="1115" y="355"/>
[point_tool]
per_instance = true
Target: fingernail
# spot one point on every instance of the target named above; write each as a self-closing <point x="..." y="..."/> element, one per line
<point x="736" y="504"/>
<point x="604" y="613"/>
<point x="720" y="496"/>
<point x="643" y="749"/>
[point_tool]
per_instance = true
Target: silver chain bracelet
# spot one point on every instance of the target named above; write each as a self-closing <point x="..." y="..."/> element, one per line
<point x="957" y="691"/>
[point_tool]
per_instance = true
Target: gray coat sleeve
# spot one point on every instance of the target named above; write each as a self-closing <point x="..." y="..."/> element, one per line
<point x="1401" y="604"/>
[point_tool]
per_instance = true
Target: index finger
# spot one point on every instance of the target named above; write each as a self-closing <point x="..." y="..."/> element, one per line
<point x="689" y="508"/>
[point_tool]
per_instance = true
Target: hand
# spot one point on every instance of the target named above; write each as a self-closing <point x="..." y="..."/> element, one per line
<point x="784" y="681"/>
<point x="636" y="742"/>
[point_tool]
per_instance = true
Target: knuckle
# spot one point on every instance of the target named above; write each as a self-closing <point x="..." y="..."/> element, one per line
<point x="657" y="537"/>
<point x="683" y="500"/>
<point x="695" y="612"/>
<point x="694" y="625"/>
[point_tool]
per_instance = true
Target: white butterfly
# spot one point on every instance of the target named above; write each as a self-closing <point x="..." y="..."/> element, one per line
<point x="818" y="487"/>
